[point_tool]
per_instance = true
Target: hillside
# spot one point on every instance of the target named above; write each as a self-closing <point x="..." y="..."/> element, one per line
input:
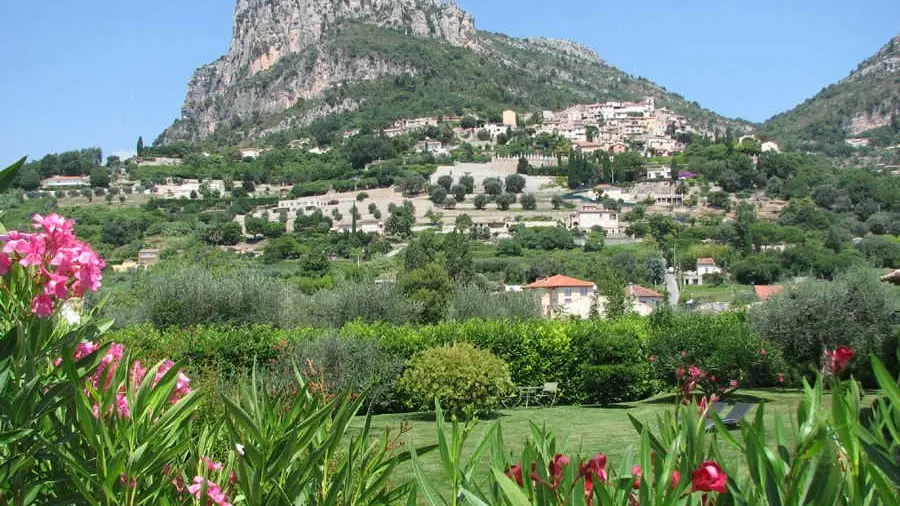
<point x="368" y="63"/>
<point x="868" y="99"/>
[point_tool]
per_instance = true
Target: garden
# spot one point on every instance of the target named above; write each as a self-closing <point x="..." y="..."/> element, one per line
<point x="380" y="413"/>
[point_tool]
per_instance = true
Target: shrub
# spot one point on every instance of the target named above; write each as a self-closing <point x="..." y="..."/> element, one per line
<point x="855" y="310"/>
<point x="472" y="302"/>
<point x="335" y="366"/>
<point x="611" y="383"/>
<point x="723" y="345"/>
<point x="613" y="367"/>
<point x="467" y="381"/>
<point x="185" y="296"/>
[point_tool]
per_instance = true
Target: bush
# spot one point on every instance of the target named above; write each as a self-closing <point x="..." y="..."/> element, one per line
<point x="855" y="310"/>
<point x="185" y="295"/>
<point x="467" y="381"/>
<point x="471" y="302"/>
<point x="723" y="345"/>
<point x="613" y="367"/>
<point x="336" y="366"/>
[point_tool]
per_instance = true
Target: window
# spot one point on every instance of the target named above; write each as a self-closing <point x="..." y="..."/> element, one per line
<point x="568" y="293"/>
<point x="584" y="292"/>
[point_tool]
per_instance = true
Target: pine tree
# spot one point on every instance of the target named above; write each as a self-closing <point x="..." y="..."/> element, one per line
<point x="140" y="146"/>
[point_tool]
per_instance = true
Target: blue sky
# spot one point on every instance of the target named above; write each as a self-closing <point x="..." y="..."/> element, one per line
<point x="101" y="72"/>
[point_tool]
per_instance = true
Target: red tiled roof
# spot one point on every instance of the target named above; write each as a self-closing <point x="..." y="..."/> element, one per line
<point x="764" y="292"/>
<point x="560" y="281"/>
<point x="706" y="261"/>
<point x="640" y="291"/>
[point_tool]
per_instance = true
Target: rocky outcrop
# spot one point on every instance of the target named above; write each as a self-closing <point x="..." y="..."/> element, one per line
<point x="274" y="60"/>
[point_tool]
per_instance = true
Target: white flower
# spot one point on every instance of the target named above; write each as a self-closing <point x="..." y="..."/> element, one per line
<point x="239" y="447"/>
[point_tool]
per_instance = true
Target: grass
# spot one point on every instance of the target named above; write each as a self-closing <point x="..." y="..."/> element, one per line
<point x="586" y="430"/>
<point x="722" y="293"/>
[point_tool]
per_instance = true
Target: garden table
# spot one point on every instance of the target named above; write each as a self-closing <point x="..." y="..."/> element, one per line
<point x="529" y="393"/>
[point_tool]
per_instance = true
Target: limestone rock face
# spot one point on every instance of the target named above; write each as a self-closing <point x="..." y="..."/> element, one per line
<point x="276" y="58"/>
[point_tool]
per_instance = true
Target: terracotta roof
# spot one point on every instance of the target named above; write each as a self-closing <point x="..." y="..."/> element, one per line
<point x="560" y="281"/>
<point x="893" y="277"/>
<point x="764" y="292"/>
<point x="640" y="291"/>
<point x="706" y="261"/>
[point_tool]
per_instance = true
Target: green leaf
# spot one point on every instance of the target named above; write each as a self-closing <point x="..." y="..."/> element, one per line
<point x="9" y="174"/>
<point x="511" y="491"/>
<point x="432" y="496"/>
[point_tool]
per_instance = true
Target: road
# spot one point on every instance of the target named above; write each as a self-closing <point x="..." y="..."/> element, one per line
<point x="672" y="288"/>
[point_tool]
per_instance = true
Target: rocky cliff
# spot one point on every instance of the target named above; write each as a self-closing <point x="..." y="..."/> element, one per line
<point x="368" y="62"/>
<point x="269" y="33"/>
<point x="868" y="98"/>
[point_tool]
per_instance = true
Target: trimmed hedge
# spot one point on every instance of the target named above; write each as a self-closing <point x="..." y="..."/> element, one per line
<point x="592" y="360"/>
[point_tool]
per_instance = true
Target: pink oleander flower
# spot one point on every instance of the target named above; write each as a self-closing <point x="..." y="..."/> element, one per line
<point x="5" y="264"/>
<point x="138" y="372"/>
<point x="122" y="407"/>
<point x="212" y="465"/>
<point x="64" y="265"/>
<point x="125" y="481"/>
<point x="42" y="306"/>
<point x="733" y="384"/>
<point x="695" y="372"/>
<point x="107" y="368"/>
<point x="780" y="378"/>
<point x="763" y="352"/>
<point x="213" y="491"/>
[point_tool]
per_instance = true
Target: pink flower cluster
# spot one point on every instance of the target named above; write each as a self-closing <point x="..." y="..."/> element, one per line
<point x="213" y="491"/>
<point x="103" y="375"/>
<point x="64" y="266"/>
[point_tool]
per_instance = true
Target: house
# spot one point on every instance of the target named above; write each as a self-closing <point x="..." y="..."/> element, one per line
<point x="858" y="142"/>
<point x="658" y="173"/>
<point x="562" y="295"/>
<point x="705" y="267"/>
<point x="364" y="226"/>
<point x="770" y="146"/>
<point x="148" y="257"/>
<point x="510" y="119"/>
<point x="591" y="217"/>
<point x="250" y="153"/>
<point x="644" y="295"/>
<point x="765" y="292"/>
<point x="587" y="147"/>
<point x="65" y="182"/>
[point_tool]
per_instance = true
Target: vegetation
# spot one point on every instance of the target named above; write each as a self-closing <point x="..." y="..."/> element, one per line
<point x="465" y="380"/>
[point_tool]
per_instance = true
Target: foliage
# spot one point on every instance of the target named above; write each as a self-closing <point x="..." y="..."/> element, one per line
<point x="466" y="380"/>
<point x="334" y="365"/>
<point x="834" y="455"/>
<point x="431" y="288"/>
<point x="854" y="310"/>
<point x="723" y="345"/>
<point x="613" y="367"/>
<point x="476" y="303"/>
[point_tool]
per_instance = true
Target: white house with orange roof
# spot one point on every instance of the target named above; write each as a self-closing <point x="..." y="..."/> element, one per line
<point x="564" y="296"/>
<point x="705" y="267"/>
<point x="644" y="300"/>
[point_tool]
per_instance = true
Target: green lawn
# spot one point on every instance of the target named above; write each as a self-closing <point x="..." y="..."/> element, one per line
<point x="586" y="429"/>
<point x="722" y="293"/>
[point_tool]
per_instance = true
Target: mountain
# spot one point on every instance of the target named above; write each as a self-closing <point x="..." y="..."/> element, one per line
<point x="867" y="99"/>
<point x="368" y="62"/>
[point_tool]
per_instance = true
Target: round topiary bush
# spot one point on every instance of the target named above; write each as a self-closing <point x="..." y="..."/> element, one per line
<point x="466" y="380"/>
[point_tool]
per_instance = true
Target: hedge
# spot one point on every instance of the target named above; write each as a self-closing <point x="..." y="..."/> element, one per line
<point x="571" y="353"/>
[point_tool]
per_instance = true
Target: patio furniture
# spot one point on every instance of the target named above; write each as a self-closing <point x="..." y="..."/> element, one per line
<point x="733" y="418"/>
<point x="528" y="395"/>
<point x="547" y="394"/>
